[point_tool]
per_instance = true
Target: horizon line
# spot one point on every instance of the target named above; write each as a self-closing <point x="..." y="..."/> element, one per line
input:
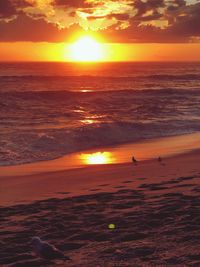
<point x="99" y="62"/>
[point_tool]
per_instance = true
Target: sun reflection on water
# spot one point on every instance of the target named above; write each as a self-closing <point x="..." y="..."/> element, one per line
<point x="97" y="158"/>
<point x="88" y="121"/>
<point x="86" y="91"/>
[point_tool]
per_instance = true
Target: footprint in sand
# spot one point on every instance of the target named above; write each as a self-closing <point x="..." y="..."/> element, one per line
<point x="63" y="193"/>
<point x="95" y="189"/>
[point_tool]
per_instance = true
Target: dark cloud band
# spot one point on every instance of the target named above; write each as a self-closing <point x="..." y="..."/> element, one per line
<point x="120" y="21"/>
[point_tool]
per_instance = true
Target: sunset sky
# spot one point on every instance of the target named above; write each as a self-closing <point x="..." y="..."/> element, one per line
<point x="134" y="30"/>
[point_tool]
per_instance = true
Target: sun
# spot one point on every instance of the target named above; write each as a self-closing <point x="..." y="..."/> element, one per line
<point x="86" y="49"/>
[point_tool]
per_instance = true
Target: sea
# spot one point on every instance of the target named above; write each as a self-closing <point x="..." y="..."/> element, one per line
<point x="48" y="110"/>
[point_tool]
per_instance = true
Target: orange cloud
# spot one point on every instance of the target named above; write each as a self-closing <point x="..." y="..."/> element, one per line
<point x="123" y="20"/>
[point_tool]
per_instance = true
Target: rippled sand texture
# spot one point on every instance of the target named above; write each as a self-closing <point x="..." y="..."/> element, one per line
<point x="156" y="224"/>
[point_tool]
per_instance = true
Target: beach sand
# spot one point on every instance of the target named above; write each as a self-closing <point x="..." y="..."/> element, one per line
<point x="154" y="208"/>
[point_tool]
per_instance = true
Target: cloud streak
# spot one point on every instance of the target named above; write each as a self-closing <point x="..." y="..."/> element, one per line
<point x="122" y="20"/>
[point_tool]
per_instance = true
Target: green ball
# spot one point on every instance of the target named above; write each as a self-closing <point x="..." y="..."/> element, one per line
<point x="111" y="226"/>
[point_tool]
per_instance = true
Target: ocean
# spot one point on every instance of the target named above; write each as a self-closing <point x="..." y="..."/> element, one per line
<point x="48" y="110"/>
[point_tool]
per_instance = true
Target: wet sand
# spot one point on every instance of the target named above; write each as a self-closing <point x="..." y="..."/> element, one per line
<point x="155" y="207"/>
<point x="143" y="150"/>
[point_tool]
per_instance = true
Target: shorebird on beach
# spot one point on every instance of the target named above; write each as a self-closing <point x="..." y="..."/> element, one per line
<point x="160" y="160"/>
<point x="45" y="250"/>
<point x="134" y="160"/>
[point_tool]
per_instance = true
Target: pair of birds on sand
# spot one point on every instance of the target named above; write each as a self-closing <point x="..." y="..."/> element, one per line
<point x="134" y="160"/>
<point x="46" y="251"/>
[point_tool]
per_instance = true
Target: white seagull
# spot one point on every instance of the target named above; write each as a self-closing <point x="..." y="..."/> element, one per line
<point x="45" y="250"/>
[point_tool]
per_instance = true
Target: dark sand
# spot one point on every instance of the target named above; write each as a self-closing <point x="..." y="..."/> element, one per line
<point x="154" y="206"/>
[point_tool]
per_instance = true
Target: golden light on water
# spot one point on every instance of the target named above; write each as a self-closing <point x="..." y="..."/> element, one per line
<point x="88" y="121"/>
<point x="86" y="49"/>
<point x="97" y="158"/>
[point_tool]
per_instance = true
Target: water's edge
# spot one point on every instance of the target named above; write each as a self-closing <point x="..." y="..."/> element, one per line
<point x="143" y="150"/>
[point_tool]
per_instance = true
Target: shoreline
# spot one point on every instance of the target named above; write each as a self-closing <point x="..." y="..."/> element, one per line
<point x="75" y="182"/>
<point x="118" y="154"/>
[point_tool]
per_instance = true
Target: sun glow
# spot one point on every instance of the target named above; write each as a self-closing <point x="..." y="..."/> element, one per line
<point x="86" y="49"/>
<point x="97" y="158"/>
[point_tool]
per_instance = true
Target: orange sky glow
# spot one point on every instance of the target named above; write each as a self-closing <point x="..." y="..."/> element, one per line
<point x="43" y="51"/>
<point x="124" y="30"/>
